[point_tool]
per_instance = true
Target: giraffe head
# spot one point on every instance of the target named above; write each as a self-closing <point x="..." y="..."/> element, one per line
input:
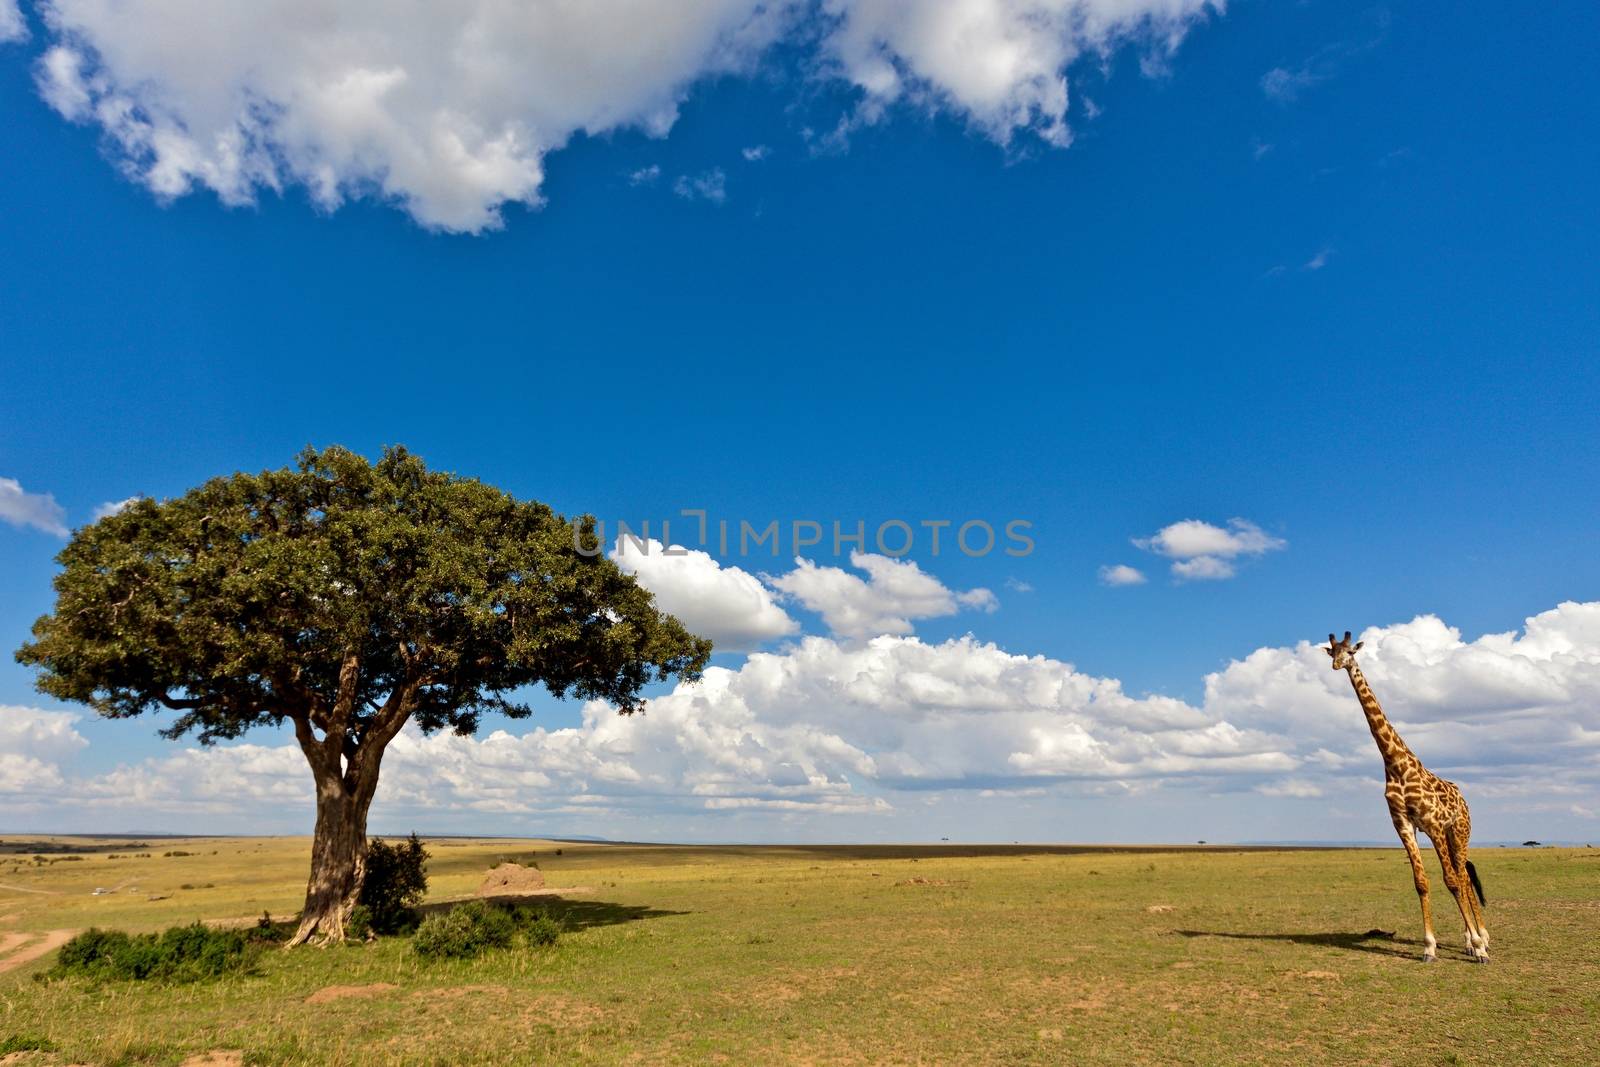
<point x="1343" y="652"/>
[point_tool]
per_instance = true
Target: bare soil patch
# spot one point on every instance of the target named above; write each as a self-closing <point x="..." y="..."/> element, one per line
<point x="345" y="992"/>
<point x="240" y="922"/>
<point x="28" y="953"/>
<point x="222" y="1057"/>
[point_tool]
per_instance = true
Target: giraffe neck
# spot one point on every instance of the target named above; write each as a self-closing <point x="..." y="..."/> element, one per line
<point x="1390" y="746"/>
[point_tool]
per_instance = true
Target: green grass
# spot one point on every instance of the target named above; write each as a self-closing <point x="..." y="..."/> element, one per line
<point x="835" y="955"/>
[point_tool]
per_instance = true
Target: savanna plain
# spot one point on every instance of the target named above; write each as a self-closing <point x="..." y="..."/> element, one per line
<point x="847" y="954"/>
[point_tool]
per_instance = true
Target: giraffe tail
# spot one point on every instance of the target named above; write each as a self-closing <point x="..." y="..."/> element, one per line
<point x="1477" y="886"/>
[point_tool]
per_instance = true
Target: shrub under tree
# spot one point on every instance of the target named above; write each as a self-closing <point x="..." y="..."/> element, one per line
<point x="345" y="598"/>
<point x="394" y="884"/>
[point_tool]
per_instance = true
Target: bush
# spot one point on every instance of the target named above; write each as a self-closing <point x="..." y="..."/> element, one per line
<point x="541" y="928"/>
<point x="395" y="883"/>
<point x="464" y="931"/>
<point x="359" y="926"/>
<point x="267" y="931"/>
<point x="469" y="929"/>
<point x="180" y="954"/>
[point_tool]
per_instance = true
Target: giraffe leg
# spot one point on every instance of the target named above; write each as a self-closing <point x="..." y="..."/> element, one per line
<point x="1455" y="879"/>
<point x="1461" y="834"/>
<point x="1477" y="911"/>
<point x="1477" y="932"/>
<point x="1419" y="876"/>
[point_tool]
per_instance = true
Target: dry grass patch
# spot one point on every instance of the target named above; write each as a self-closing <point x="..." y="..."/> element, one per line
<point x="327" y="994"/>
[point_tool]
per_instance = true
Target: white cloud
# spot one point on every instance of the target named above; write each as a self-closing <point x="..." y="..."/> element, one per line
<point x="894" y="594"/>
<point x="38" y="510"/>
<point x="997" y="63"/>
<point x="1289" y="787"/>
<point x="449" y="110"/>
<point x="822" y="727"/>
<point x="1121" y="574"/>
<point x="756" y="153"/>
<point x="33" y="744"/>
<point x="51" y="735"/>
<point x="1017" y="585"/>
<point x="1191" y="537"/>
<point x="1202" y="552"/>
<point x="13" y="27"/>
<point x="114" y="507"/>
<point x="242" y="779"/>
<point x="865" y="730"/>
<point x="711" y="185"/>
<point x="726" y="604"/>
<point x="1203" y="569"/>
<point x="1512" y="713"/>
<point x="645" y="175"/>
<point x="1318" y="261"/>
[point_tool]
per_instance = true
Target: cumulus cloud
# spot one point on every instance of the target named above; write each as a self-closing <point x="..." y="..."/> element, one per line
<point x="241" y="779"/>
<point x="1203" y="569"/>
<point x="114" y="507"/>
<point x="756" y="153"/>
<point x="726" y="604"/>
<point x="450" y="110"/>
<point x="1203" y="552"/>
<point x="894" y="594"/>
<point x="868" y="729"/>
<point x="37" y="510"/>
<point x="824" y="726"/>
<point x="999" y="64"/>
<point x="1518" y="714"/>
<point x="13" y="27"/>
<point x="33" y="745"/>
<point x="1121" y="574"/>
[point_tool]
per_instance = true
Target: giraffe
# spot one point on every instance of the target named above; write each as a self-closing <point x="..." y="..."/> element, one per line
<point x="1421" y="800"/>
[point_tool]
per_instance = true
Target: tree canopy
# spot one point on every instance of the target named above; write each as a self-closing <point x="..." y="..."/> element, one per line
<point x="347" y="598"/>
<point x="332" y="588"/>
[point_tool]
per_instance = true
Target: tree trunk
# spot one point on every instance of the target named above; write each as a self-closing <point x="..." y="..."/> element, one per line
<point x="338" y="858"/>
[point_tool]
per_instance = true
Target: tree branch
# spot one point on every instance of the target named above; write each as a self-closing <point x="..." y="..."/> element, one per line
<point x="316" y="752"/>
<point x="384" y="726"/>
<point x="344" y="701"/>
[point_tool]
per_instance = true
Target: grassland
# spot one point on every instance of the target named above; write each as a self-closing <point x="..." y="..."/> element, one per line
<point x="839" y="955"/>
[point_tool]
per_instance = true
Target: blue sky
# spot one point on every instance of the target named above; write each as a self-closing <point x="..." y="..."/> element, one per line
<point x="1326" y="268"/>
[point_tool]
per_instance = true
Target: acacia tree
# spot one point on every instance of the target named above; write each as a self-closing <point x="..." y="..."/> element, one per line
<point x="345" y="598"/>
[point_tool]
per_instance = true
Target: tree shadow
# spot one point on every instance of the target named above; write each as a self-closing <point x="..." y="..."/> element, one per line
<point x="1376" y="942"/>
<point x="573" y="914"/>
